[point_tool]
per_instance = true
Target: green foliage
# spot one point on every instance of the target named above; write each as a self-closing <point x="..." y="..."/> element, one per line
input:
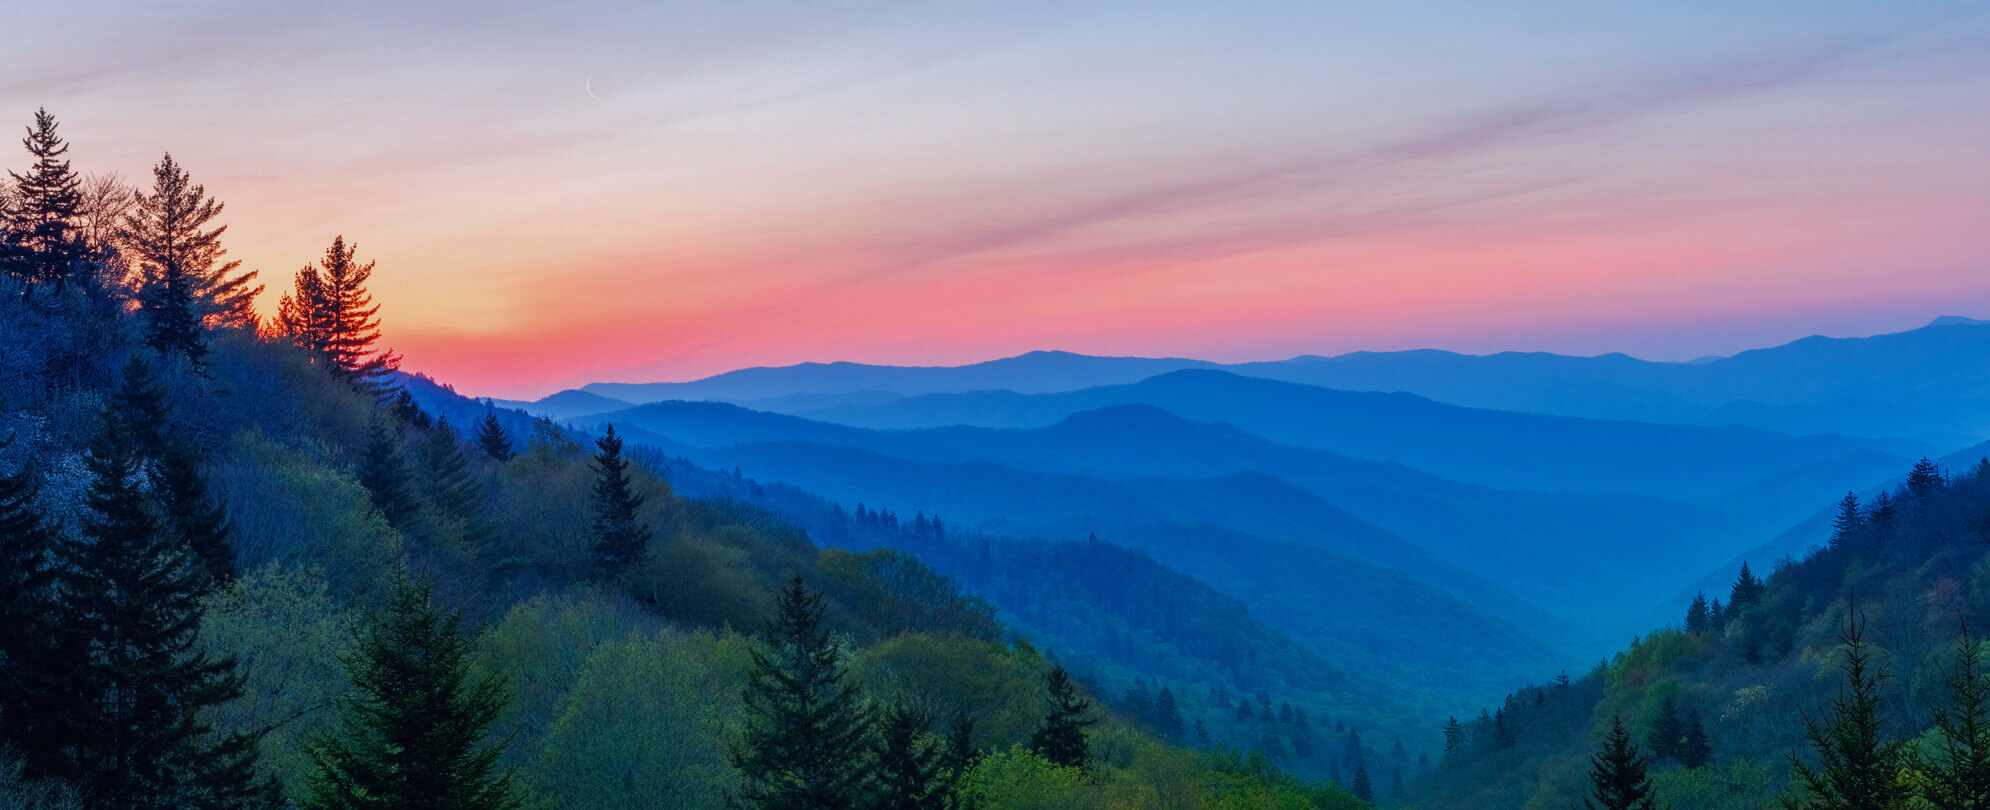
<point x="289" y="509"/>
<point x="1859" y="769"/>
<point x="289" y="634"/>
<point x="413" y="734"/>
<point x="646" y="723"/>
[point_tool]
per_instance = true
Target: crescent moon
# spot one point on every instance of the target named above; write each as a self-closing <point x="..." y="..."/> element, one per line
<point x="589" y="87"/>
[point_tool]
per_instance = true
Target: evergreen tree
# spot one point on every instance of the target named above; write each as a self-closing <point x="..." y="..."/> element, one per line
<point x="1695" y="750"/>
<point x="1167" y="715"/>
<point x="1061" y="737"/>
<point x="44" y="215"/>
<point x="184" y="284"/>
<point x="384" y="472"/>
<point x="1883" y="512"/>
<point x="414" y="733"/>
<point x="911" y="771"/>
<point x="806" y="737"/>
<point x="1858" y="770"/>
<point x="492" y="440"/>
<point x="1746" y="592"/>
<point x="1849" y="521"/>
<point x="128" y="604"/>
<point x="1923" y="479"/>
<point x="1668" y="733"/>
<point x="1454" y="735"/>
<point x="620" y="538"/>
<point x="1699" y="617"/>
<point x="409" y="412"/>
<point x="174" y="465"/>
<point x="1958" y="776"/>
<point x="1617" y="774"/>
<point x="450" y="486"/>
<point x="332" y="316"/>
<point x="30" y="668"/>
<point x="1363" y="789"/>
<point x="1140" y="702"/>
<point x="1716" y="615"/>
<point x="961" y="755"/>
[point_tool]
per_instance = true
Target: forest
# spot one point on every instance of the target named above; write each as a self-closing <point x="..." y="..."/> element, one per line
<point x="244" y="568"/>
<point x="248" y="561"/>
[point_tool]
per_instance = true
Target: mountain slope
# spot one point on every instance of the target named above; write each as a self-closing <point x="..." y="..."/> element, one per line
<point x="1492" y="448"/>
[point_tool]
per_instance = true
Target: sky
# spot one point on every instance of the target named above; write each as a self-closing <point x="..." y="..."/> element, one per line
<point x="561" y="193"/>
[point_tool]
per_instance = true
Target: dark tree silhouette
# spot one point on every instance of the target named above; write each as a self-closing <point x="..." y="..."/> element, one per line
<point x="184" y="284"/>
<point x="1849" y="521"/>
<point x="30" y="665"/>
<point x="1617" y="774"/>
<point x="1958" y="775"/>
<point x="1696" y="750"/>
<point x="330" y="315"/>
<point x="492" y="439"/>
<point x="415" y="734"/>
<point x="44" y="216"/>
<point x="1923" y="479"/>
<point x="620" y="538"/>
<point x="911" y="770"/>
<point x="1857" y="767"/>
<point x="806" y="738"/>
<point x="384" y="472"/>
<point x="1699" y="616"/>
<point x="129" y="604"/>
<point x="1668" y="733"/>
<point x="1061" y="737"/>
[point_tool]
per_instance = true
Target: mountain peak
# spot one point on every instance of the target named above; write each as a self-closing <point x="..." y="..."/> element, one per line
<point x="1957" y="320"/>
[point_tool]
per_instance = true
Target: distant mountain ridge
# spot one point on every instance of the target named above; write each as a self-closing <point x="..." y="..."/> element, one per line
<point x="1035" y="372"/>
<point x="1932" y="383"/>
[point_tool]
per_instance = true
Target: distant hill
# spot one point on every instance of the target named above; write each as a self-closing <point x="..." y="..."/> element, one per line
<point x="1523" y="554"/>
<point x="1931" y="383"/>
<point x="1034" y="372"/>
<point x="1491" y="448"/>
<point x="567" y="404"/>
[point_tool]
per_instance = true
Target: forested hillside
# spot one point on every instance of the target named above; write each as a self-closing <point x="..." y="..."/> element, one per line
<point x="1853" y="677"/>
<point x="243" y="568"/>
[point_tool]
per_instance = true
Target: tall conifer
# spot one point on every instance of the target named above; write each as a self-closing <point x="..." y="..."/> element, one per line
<point x="806" y="738"/>
<point x="30" y="668"/>
<point x="1849" y="521"/>
<point x="185" y="285"/>
<point x="1858" y="768"/>
<point x="1061" y="737"/>
<point x="128" y="603"/>
<point x="384" y="471"/>
<point x="1617" y="774"/>
<point x="43" y="218"/>
<point x="911" y="770"/>
<point x="492" y="439"/>
<point x="332" y="316"/>
<point x="620" y="538"/>
<point x="1958" y="775"/>
<point x="415" y="735"/>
